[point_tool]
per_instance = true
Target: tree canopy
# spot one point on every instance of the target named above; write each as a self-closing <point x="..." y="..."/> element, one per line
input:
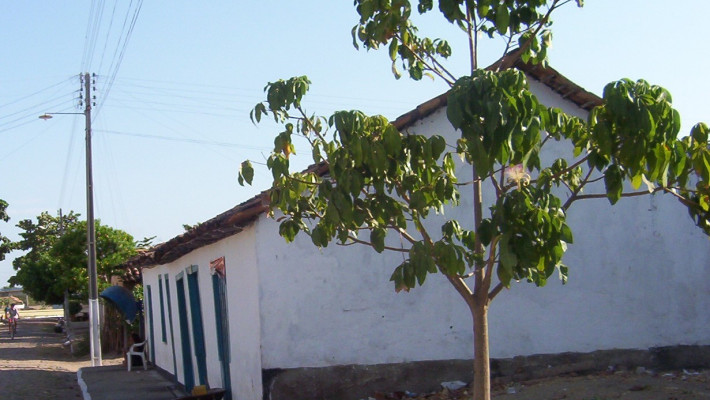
<point x="372" y="181"/>
<point x="56" y="256"/>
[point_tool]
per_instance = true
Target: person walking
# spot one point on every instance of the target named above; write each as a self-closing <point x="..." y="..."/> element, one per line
<point x="12" y="317"/>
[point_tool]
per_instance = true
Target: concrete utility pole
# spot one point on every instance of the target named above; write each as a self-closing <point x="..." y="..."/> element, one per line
<point x="94" y="332"/>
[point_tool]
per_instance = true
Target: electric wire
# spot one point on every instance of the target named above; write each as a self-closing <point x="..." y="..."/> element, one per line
<point x="93" y="28"/>
<point x="113" y="69"/>
<point x="20" y="99"/>
<point x="187" y="140"/>
<point x="67" y="166"/>
<point x="108" y="31"/>
<point x="53" y="104"/>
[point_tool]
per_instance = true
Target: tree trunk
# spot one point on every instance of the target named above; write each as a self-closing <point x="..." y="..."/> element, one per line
<point x="481" y="362"/>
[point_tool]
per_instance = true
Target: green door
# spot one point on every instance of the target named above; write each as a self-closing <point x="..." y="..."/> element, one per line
<point x="198" y="334"/>
<point x="184" y="334"/>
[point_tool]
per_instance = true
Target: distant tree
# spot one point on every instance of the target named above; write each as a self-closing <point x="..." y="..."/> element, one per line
<point x="37" y="271"/>
<point x="5" y="243"/>
<point x="374" y="180"/>
<point x="56" y="256"/>
<point x="113" y="248"/>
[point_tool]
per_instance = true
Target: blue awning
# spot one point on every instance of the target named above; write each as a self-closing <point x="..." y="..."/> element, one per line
<point x="122" y="299"/>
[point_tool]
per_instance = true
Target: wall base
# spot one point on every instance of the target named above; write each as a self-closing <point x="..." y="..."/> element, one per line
<point x="353" y="382"/>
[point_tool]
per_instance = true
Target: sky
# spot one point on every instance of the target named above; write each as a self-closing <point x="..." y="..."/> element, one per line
<point x="175" y="82"/>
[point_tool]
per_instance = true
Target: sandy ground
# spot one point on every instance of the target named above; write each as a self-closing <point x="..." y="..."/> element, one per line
<point x="626" y="385"/>
<point x="35" y="365"/>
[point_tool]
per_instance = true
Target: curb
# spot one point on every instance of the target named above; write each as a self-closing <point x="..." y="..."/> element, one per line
<point x="82" y="385"/>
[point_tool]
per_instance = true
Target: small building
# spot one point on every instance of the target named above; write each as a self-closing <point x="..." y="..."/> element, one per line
<point x="230" y="304"/>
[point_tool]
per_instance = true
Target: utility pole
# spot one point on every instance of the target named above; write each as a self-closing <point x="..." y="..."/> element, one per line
<point x="94" y="332"/>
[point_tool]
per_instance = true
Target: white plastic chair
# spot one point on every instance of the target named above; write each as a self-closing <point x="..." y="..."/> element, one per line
<point x="133" y="352"/>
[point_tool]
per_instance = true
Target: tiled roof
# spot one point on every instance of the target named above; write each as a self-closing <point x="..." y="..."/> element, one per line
<point x="236" y="219"/>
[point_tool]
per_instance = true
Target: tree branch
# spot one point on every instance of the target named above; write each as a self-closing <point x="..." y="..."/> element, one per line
<point x="490" y="264"/>
<point x="312" y="128"/>
<point x="495" y="291"/>
<point x="680" y="198"/>
<point x="525" y="45"/>
<point x="472" y="36"/>
<point x="463" y="289"/>
<point x="603" y="195"/>
<point x="366" y="243"/>
<point x="450" y="80"/>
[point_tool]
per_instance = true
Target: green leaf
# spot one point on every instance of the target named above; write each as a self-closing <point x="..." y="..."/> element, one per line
<point x="288" y="230"/>
<point x="393" y="141"/>
<point x="613" y="181"/>
<point x="394" y="46"/>
<point x="700" y="133"/>
<point x="504" y="276"/>
<point x="508" y="258"/>
<point x="377" y="238"/>
<point x="408" y="275"/>
<point x="502" y="18"/>
<point x="566" y="234"/>
<point x="319" y="237"/>
<point x="246" y="173"/>
<point x="438" y="145"/>
<point x="563" y="272"/>
<point x="486" y="231"/>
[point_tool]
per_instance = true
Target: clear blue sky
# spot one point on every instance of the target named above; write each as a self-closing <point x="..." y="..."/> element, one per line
<point x="172" y="126"/>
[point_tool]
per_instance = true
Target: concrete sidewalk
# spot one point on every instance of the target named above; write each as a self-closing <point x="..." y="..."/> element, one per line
<point x="115" y="383"/>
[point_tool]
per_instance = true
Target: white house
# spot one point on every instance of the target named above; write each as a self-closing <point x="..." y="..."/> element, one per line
<point x="232" y="305"/>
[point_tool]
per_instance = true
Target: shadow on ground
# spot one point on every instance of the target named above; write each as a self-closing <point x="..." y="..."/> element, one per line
<point x="17" y="384"/>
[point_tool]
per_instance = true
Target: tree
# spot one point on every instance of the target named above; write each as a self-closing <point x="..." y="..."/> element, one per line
<point x="37" y="271"/>
<point x="113" y="248"/>
<point x="56" y="261"/>
<point x="370" y="180"/>
<point x="5" y="243"/>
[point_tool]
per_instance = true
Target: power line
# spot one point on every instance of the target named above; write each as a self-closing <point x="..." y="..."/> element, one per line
<point x="185" y="140"/>
<point x="18" y="100"/>
<point x="108" y="31"/>
<point x="113" y="69"/>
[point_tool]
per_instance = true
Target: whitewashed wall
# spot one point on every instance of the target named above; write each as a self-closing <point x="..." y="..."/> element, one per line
<point x="163" y="350"/>
<point x="636" y="281"/>
<point x="242" y="291"/>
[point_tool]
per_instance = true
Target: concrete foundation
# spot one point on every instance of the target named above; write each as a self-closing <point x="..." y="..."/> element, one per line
<point x="353" y="382"/>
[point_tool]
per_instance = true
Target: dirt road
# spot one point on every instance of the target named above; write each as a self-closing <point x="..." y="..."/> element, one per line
<point x="35" y="365"/>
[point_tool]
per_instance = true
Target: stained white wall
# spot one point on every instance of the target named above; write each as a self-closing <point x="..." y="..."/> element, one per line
<point x="162" y="350"/>
<point x="242" y="292"/>
<point x="636" y="281"/>
<point x="338" y="307"/>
